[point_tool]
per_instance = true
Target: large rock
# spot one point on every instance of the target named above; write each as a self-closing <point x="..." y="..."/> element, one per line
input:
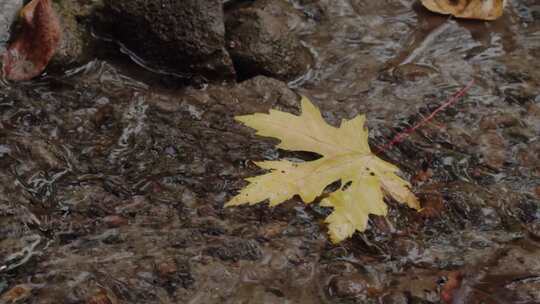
<point x="261" y="42"/>
<point x="77" y="46"/>
<point x="182" y="37"/>
<point x="8" y="12"/>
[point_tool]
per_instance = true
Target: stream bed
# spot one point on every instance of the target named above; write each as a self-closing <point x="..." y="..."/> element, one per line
<point x="113" y="178"/>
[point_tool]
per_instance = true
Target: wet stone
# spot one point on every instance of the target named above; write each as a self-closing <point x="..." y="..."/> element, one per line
<point x="351" y="286"/>
<point x="340" y="268"/>
<point x="529" y="156"/>
<point x="182" y="38"/>
<point x="260" y="42"/>
<point x="206" y="211"/>
<point x="500" y="120"/>
<point x="520" y="134"/>
<point x="272" y="230"/>
<point x="174" y="273"/>
<point x="101" y="297"/>
<point x="478" y="210"/>
<point x="103" y="115"/>
<point x="395" y="298"/>
<point x="412" y="72"/>
<point x="517" y="96"/>
<point x="336" y="253"/>
<point x="78" y="45"/>
<point x="527" y="210"/>
<point x="110" y="236"/>
<point x="114" y="221"/>
<point x="534" y="230"/>
<point x="212" y="229"/>
<point x="235" y="250"/>
<point x="8" y="13"/>
<point x="407" y="248"/>
<point x="493" y="149"/>
<point x="534" y="108"/>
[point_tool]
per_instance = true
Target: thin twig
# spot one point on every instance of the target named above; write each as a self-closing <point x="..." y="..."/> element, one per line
<point x="452" y="100"/>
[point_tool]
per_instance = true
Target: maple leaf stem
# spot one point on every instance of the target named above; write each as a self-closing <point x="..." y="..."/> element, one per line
<point x="449" y="102"/>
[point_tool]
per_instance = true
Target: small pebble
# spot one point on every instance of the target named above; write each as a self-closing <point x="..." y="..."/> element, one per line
<point x="114" y="221"/>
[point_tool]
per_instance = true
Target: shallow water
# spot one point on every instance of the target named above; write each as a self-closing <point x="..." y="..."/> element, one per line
<point x="113" y="180"/>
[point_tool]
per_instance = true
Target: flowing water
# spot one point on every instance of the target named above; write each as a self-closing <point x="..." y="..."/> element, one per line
<point x="113" y="180"/>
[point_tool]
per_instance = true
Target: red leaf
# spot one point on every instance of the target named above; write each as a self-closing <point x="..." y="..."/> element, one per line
<point x="35" y="43"/>
<point x="450" y="287"/>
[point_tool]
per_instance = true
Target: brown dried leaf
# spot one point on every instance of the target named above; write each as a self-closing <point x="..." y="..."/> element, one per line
<point x="17" y="294"/>
<point x="35" y="43"/>
<point x="468" y="9"/>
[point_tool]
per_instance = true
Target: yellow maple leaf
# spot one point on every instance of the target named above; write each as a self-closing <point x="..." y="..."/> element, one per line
<point x="346" y="156"/>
